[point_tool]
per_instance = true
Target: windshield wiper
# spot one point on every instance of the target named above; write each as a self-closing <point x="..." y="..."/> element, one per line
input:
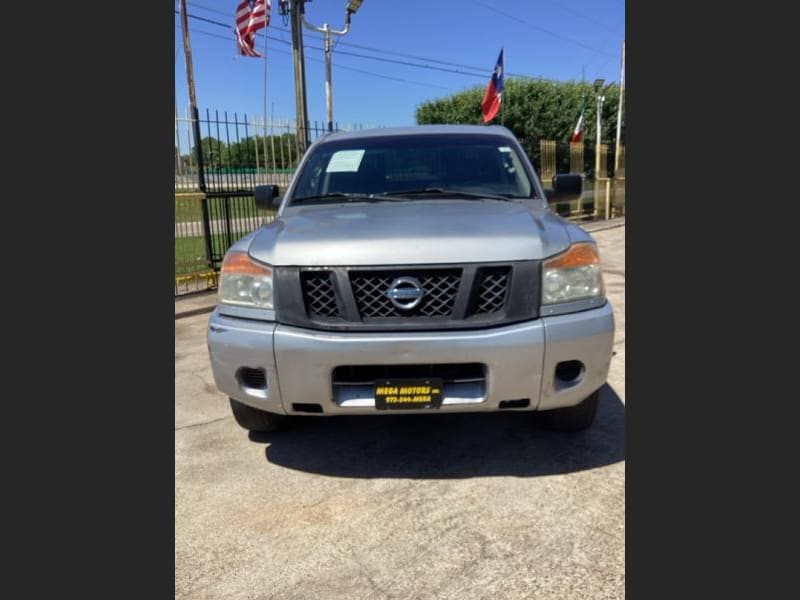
<point x="399" y="195"/>
<point x="444" y="192"/>
<point x="334" y="196"/>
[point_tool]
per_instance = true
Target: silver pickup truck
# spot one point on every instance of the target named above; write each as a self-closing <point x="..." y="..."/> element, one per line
<point x="413" y="270"/>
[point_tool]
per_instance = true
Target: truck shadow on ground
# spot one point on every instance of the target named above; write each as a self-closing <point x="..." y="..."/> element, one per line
<point x="447" y="446"/>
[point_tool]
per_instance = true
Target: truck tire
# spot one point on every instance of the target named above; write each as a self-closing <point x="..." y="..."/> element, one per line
<point x="572" y="418"/>
<point x="257" y="420"/>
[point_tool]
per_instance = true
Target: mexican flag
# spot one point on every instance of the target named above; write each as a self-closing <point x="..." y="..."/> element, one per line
<point x="577" y="135"/>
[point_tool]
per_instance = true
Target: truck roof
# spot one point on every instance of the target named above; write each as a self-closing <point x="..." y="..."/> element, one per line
<point x="420" y="130"/>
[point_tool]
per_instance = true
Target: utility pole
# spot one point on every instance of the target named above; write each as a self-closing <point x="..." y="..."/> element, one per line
<point x="350" y="9"/>
<point x="295" y="10"/>
<point x="187" y="50"/>
<point x="201" y="176"/>
<point x="178" y="153"/>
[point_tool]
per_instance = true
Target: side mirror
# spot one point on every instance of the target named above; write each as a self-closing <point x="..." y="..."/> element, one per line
<point x="566" y="187"/>
<point x="267" y="196"/>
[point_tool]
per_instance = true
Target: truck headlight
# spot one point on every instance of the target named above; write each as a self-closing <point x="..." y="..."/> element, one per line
<point x="245" y="282"/>
<point x="573" y="275"/>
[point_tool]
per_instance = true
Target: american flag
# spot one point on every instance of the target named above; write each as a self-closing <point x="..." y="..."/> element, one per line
<point x="251" y="15"/>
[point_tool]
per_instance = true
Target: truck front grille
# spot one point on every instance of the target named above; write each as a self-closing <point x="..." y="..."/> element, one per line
<point x="414" y="297"/>
<point x="370" y="290"/>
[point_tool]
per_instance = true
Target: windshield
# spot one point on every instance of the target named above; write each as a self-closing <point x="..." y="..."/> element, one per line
<point x="420" y="165"/>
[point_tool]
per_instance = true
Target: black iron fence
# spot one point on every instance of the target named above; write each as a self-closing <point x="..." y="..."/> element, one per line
<point x="214" y="184"/>
<point x="240" y="151"/>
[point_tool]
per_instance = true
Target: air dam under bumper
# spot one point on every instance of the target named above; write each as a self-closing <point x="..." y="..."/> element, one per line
<point x="520" y="360"/>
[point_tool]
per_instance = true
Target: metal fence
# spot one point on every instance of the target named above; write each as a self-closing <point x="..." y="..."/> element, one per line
<point x="216" y="207"/>
<point x="604" y="191"/>
<point x="241" y="151"/>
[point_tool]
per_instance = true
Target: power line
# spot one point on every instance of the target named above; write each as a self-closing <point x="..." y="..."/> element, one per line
<point x="368" y="48"/>
<point x="542" y="29"/>
<point x="343" y="52"/>
<point x="381" y="50"/>
<point x="336" y="66"/>
<point x="583" y="16"/>
<point x="481" y="72"/>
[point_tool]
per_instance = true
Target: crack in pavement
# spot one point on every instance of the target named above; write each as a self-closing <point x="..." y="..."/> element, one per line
<point x="602" y="227"/>
<point x="201" y="423"/>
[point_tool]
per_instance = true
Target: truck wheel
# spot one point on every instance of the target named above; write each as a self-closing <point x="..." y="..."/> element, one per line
<point x="572" y="418"/>
<point x="257" y="420"/>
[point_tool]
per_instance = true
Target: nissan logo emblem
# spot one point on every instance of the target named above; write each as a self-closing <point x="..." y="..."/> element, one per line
<point x="405" y="293"/>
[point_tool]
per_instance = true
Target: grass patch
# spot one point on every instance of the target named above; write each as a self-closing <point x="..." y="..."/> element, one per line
<point x="190" y="252"/>
<point x="190" y="255"/>
<point x="188" y="207"/>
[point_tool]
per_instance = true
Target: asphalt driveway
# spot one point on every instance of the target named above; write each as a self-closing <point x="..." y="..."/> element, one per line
<point x="430" y="506"/>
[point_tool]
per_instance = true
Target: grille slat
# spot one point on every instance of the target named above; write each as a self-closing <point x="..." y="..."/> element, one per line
<point x="370" y="288"/>
<point x="319" y="294"/>
<point x="493" y="290"/>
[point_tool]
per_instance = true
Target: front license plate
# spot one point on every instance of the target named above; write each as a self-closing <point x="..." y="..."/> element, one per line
<point x="393" y="394"/>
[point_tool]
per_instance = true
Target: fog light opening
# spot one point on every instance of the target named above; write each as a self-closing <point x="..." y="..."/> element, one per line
<point x="569" y="372"/>
<point x="255" y="379"/>
<point x="521" y="403"/>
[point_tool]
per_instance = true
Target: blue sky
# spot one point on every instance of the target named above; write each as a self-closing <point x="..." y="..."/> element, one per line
<point x="553" y="39"/>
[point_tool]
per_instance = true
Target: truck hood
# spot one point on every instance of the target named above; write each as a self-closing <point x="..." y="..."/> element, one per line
<point x="412" y="232"/>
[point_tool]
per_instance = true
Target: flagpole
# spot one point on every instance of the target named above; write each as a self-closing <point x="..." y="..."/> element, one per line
<point x="619" y="110"/>
<point x="502" y="100"/>
<point x="265" y="98"/>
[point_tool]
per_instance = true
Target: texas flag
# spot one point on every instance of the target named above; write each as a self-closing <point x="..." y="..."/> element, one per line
<point x="490" y="105"/>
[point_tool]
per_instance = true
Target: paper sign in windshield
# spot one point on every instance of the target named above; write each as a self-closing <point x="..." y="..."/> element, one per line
<point x="345" y="161"/>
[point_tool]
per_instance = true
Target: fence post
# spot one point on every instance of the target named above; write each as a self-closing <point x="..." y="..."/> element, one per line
<point x="187" y="120"/>
<point x="603" y="161"/>
<point x="619" y="179"/>
<point x="576" y="157"/>
<point x="548" y="150"/>
<point x="178" y="154"/>
<point x="255" y="139"/>
<point x="280" y="144"/>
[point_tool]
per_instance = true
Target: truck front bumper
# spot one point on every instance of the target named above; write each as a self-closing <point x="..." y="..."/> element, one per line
<point x="520" y="361"/>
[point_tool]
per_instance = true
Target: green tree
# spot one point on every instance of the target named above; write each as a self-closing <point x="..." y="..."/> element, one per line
<point x="215" y="152"/>
<point x="533" y="110"/>
<point x="243" y="153"/>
